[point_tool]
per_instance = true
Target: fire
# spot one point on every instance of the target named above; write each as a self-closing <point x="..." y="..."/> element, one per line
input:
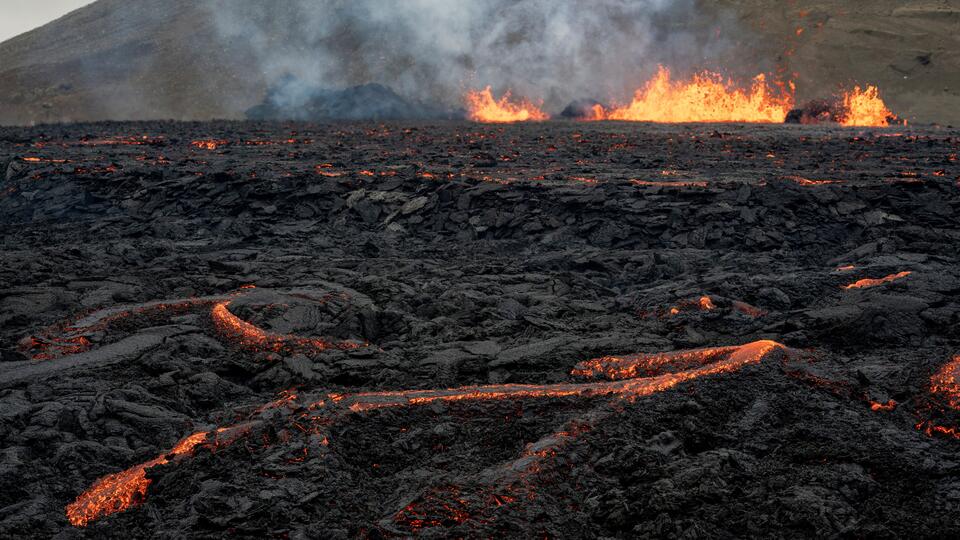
<point x="704" y="98"/>
<point x="483" y="107"/>
<point x="864" y="107"/>
<point x="117" y="492"/>
<point x="868" y="283"/>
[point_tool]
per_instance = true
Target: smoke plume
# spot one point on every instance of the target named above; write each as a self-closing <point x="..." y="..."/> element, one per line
<point x="432" y="50"/>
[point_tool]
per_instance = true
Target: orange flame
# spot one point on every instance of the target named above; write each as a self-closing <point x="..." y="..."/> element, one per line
<point x="705" y="98"/>
<point x="117" y="492"/>
<point x="482" y="107"/>
<point x="864" y="107"/>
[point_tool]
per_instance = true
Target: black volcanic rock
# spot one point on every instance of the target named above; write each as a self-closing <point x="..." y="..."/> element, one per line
<point x="364" y="102"/>
<point x="580" y="109"/>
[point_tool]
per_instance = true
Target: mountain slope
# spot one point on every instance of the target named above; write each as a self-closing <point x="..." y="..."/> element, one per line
<point x="153" y="60"/>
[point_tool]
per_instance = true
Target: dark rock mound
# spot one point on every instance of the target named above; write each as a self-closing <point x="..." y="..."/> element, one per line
<point x="818" y="111"/>
<point x="580" y="109"/>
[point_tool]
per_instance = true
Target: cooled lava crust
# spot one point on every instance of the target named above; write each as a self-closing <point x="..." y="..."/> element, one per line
<point x="299" y="331"/>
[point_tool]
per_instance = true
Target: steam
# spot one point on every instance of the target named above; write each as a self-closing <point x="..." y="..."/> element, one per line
<point x="433" y="50"/>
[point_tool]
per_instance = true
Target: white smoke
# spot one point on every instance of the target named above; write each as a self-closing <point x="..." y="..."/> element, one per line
<point x="554" y="50"/>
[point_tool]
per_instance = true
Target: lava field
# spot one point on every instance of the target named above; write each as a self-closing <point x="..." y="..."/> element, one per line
<point x="556" y="329"/>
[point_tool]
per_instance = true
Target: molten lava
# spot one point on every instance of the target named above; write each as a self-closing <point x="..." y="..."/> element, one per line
<point x="868" y="283"/>
<point x="252" y="337"/>
<point x="704" y="98"/>
<point x="117" y="492"/>
<point x="944" y="382"/>
<point x="944" y="385"/>
<point x="483" y="107"/>
<point x="864" y="107"/>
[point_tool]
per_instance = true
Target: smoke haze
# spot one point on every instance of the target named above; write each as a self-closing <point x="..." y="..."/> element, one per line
<point x="554" y="50"/>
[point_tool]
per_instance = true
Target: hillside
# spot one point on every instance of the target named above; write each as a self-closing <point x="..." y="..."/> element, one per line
<point x="158" y="60"/>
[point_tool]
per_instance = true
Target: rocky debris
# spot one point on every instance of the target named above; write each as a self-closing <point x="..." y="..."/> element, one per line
<point x="464" y="254"/>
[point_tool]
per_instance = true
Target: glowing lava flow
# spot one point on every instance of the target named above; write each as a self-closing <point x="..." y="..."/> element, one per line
<point x="483" y="107"/>
<point x="944" y="385"/>
<point x="73" y="337"/>
<point x="119" y="491"/>
<point x="944" y="382"/>
<point x="864" y="107"/>
<point x="255" y="338"/>
<point x="868" y="282"/>
<point x="704" y="98"/>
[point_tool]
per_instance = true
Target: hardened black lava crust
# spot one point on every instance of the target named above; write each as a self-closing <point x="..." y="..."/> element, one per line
<point x="557" y="329"/>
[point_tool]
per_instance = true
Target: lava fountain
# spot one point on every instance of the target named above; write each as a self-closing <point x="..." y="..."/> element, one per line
<point x="483" y="107"/>
<point x="707" y="97"/>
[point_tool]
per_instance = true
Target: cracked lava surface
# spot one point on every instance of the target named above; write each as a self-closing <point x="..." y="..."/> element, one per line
<point x="541" y="329"/>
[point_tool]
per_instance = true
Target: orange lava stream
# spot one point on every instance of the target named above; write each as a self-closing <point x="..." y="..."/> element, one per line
<point x="633" y="366"/>
<point x="483" y="107"/>
<point x="864" y="107"/>
<point x="255" y="338"/>
<point x="809" y="182"/>
<point x="704" y="98"/>
<point x="117" y="492"/>
<point x="868" y="282"/>
<point x="665" y="183"/>
<point x="885" y="407"/>
<point x="737" y="358"/>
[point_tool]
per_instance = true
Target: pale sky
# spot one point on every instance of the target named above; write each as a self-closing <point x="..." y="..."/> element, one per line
<point x="19" y="16"/>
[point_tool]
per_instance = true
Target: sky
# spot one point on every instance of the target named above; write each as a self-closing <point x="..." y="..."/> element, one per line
<point x="19" y="16"/>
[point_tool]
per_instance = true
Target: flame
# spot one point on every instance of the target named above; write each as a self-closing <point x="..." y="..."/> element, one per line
<point x="867" y="283"/>
<point x="704" y="98"/>
<point x="864" y="107"/>
<point x="482" y="107"/>
<point x="117" y="492"/>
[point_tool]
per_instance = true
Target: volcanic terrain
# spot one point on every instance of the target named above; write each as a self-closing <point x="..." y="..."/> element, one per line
<point x="556" y="329"/>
